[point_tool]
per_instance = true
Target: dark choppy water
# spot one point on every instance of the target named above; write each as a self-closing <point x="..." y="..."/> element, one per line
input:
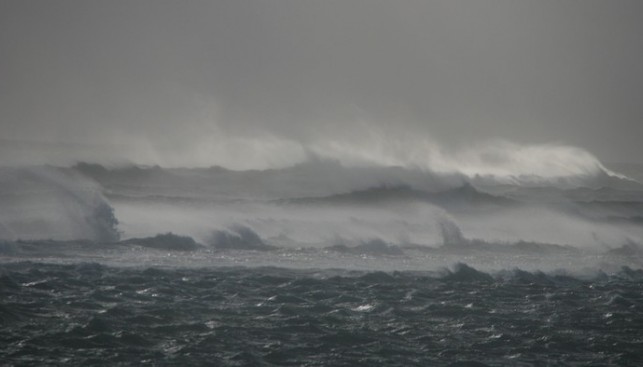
<point x="86" y="314"/>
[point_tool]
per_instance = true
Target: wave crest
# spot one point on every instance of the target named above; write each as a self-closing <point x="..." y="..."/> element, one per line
<point x="237" y="237"/>
<point x="54" y="203"/>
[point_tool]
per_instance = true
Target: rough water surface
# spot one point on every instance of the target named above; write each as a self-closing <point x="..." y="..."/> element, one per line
<point x="318" y="265"/>
<point x="86" y="313"/>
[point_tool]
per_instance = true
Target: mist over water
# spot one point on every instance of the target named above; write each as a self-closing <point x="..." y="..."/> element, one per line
<point x="335" y="203"/>
<point x="354" y="144"/>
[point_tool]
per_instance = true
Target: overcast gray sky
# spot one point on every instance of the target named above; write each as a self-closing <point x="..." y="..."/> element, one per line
<point x="102" y="76"/>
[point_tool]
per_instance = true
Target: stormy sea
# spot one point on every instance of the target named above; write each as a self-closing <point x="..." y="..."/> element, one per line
<point x="320" y="264"/>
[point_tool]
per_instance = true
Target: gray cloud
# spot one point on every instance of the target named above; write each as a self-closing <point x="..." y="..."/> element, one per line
<point x="169" y="75"/>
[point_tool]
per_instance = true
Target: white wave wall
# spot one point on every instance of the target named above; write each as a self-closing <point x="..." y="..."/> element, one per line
<point x="53" y="203"/>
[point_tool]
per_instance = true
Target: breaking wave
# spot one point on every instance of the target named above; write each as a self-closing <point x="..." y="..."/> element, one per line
<point x="322" y="212"/>
<point x="167" y="241"/>
<point x="55" y="203"/>
<point x="237" y="237"/>
<point x="498" y="160"/>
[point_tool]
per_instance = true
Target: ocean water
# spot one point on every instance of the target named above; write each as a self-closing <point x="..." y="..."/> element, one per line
<point x="88" y="313"/>
<point x="318" y="265"/>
